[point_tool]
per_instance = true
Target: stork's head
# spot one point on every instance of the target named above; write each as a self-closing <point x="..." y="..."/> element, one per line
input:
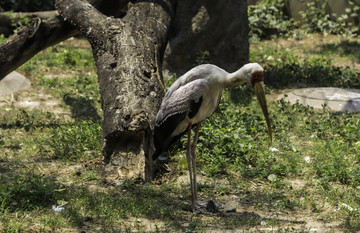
<point x="255" y="75"/>
<point x="251" y="71"/>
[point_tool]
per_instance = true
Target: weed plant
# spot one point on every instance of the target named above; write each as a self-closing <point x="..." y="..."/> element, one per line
<point x="269" y="19"/>
<point x="317" y="20"/>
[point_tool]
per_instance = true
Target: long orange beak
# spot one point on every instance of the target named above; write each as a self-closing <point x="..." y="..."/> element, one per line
<point x="260" y="94"/>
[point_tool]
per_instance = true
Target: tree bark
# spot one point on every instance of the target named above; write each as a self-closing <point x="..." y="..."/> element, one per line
<point x="20" y="47"/>
<point x="128" y="54"/>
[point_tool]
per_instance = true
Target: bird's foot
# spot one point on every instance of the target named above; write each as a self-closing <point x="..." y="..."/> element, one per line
<point x="210" y="206"/>
<point x="198" y="207"/>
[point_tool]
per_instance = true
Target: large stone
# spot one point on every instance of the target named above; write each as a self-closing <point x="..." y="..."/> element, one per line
<point x="337" y="99"/>
<point x="13" y="83"/>
<point x="208" y="31"/>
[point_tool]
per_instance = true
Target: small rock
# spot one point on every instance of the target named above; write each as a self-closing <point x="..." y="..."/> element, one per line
<point x="212" y="206"/>
<point x="231" y="209"/>
<point x="117" y="182"/>
<point x="13" y="82"/>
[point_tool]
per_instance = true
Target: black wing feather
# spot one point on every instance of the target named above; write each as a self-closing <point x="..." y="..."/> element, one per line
<point x="194" y="107"/>
<point x="163" y="132"/>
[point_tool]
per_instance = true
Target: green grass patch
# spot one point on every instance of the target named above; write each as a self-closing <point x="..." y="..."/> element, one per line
<point x="59" y="58"/>
<point x="76" y="140"/>
<point x="345" y="48"/>
<point x="29" y="193"/>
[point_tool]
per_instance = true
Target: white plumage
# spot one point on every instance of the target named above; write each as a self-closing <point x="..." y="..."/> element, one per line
<point x="192" y="98"/>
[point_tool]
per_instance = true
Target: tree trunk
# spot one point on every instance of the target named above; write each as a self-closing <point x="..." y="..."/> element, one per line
<point x="128" y="54"/>
<point x="208" y="31"/>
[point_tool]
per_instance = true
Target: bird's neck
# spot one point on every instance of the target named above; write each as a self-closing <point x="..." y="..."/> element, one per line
<point x="236" y="78"/>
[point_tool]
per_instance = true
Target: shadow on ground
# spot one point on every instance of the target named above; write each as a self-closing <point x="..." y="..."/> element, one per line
<point x="344" y="48"/>
<point x="164" y="205"/>
<point x="82" y="108"/>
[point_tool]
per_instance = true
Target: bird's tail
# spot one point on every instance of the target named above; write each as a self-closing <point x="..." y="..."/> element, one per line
<point x="159" y="148"/>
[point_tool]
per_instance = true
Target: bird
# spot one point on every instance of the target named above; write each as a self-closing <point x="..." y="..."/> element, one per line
<point x="193" y="97"/>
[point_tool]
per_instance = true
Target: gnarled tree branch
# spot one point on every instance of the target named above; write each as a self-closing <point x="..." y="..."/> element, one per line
<point x="20" y="47"/>
<point x="23" y="45"/>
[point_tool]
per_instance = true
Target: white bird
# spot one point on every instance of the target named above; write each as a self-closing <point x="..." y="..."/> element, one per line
<point x="192" y="98"/>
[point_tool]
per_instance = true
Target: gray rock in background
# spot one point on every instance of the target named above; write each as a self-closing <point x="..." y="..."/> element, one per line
<point x="13" y="83"/>
<point x="337" y="99"/>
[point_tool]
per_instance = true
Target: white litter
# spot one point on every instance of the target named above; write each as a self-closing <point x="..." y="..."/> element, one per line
<point x="57" y="209"/>
<point x="273" y="149"/>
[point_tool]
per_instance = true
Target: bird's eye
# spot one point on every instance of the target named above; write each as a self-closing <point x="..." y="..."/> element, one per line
<point x="257" y="77"/>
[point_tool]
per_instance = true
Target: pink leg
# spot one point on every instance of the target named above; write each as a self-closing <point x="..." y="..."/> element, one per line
<point x="193" y="153"/>
<point x="189" y="160"/>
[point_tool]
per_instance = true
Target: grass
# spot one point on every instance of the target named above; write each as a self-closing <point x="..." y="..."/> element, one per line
<point x="345" y="48"/>
<point x="50" y="161"/>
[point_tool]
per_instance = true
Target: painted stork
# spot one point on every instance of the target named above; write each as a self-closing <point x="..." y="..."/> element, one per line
<point x="195" y="96"/>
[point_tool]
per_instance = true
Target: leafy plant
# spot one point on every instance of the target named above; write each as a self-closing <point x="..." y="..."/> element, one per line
<point x="318" y="20"/>
<point x="2" y="38"/>
<point x="203" y="57"/>
<point x="19" y="22"/>
<point x="312" y="165"/>
<point x="269" y="19"/>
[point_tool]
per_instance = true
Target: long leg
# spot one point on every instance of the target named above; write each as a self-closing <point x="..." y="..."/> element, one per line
<point x="193" y="154"/>
<point x="189" y="160"/>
